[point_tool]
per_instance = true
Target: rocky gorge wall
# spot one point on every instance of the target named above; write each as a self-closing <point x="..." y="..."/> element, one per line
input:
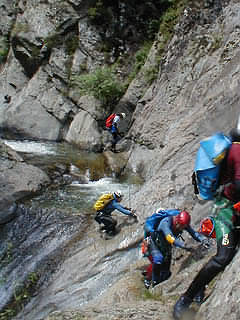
<point x="195" y="94"/>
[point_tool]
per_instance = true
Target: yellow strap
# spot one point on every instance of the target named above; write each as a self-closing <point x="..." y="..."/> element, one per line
<point x="170" y="238"/>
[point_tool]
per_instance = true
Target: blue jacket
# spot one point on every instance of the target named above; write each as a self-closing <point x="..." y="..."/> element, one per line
<point x="115" y="205"/>
<point x="164" y="225"/>
<point x="153" y="221"/>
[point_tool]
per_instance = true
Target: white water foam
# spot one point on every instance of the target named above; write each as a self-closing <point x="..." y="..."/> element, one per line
<point x="30" y="147"/>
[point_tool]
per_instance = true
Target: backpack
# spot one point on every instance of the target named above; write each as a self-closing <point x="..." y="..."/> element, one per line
<point x="154" y="220"/>
<point x="109" y="120"/>
<point x="209" y="158"/>
<point x="102" y="201"/>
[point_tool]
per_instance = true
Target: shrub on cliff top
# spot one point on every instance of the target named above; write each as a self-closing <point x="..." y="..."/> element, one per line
<point x="102" y="84"/>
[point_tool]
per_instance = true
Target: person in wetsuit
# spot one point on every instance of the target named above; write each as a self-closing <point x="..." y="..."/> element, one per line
<point x="162" y="230"/>
<point x="104" y="216"/>
<point x="226" y="219"/>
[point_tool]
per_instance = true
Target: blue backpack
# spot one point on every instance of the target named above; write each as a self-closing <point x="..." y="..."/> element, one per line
<point x="153" y="221"/>
<point x="211" y="153"/>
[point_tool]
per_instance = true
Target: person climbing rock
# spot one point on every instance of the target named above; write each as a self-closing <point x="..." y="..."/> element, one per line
<point x="162" y="230"/>
<point x="225" y="218"/>
<point x="105" y="205"/>
<point x="112" y="124"/>
<point x="223" y="228"/>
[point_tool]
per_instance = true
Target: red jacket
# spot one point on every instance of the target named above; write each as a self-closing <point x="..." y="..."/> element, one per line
<point x="231" y="173"/>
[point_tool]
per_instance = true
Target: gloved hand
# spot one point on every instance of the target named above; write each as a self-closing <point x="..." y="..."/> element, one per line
<point x="205" y="243"/>
<point x="133" y="214"/>
<point x="189" y="249"/>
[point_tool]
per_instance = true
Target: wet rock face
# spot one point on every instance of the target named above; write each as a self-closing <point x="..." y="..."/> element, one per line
<point x="37" y="244"/>
<point x="8" y="211"/>
<point x="17" y="179"/>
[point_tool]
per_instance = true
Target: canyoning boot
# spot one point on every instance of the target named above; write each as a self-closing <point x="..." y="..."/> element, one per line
<point x="180" y="307"/>
<point x="147" y="283"/>
<point x="113" y="149"/>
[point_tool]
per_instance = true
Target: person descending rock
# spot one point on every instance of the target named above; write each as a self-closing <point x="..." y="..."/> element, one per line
<point x="225" y="220"/>
<point x="105" y="205"/>
<point x="112" y="124"/>
<point x="223" y="228"/>
<point x="161" y="231"/>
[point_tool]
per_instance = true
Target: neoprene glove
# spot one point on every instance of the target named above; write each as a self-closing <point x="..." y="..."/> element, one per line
<point x="133" y="213"/>
<point x="205" y="243"/>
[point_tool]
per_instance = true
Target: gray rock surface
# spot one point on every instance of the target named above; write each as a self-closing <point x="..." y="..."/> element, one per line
<point x="195" y="94"/>
<point x="17" y="180"/>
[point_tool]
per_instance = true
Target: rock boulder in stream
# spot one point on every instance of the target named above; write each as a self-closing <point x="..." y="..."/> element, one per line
<point x="17" y="180"/>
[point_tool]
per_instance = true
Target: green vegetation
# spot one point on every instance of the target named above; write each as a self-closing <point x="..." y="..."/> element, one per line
<point x="149" y="295"/>
<point x="97" y="12"/>
<point x="53" y="41"/>
<point x="4" y="47"/>
<point x="127" y="23"/>
<point x="216" y="43"/>
<point x="22" y="295"/>
<point x="140" y="58"/>
<point x="7" y="255"/>
<point x="151" y="73"/>
<point x="102" y="84"/>
<point x="165" y="26"/>
<point x="167" y="23"/>
<point x="71" y="44"/>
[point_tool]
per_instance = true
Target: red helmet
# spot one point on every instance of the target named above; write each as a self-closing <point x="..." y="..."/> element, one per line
<point x="183" y="219"/>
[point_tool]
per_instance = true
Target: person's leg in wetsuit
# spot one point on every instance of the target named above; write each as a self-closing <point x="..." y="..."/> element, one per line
<point x="148" y="273"/>
<point x="161" y="265"/>
<point x="225" y="253"/>
<point x="115" y="140"/>
<point x="109" y="224"/>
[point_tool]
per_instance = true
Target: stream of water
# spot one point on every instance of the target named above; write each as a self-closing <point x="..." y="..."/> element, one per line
<point x="93" y="264"/>
<point x="96" y="176"/>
